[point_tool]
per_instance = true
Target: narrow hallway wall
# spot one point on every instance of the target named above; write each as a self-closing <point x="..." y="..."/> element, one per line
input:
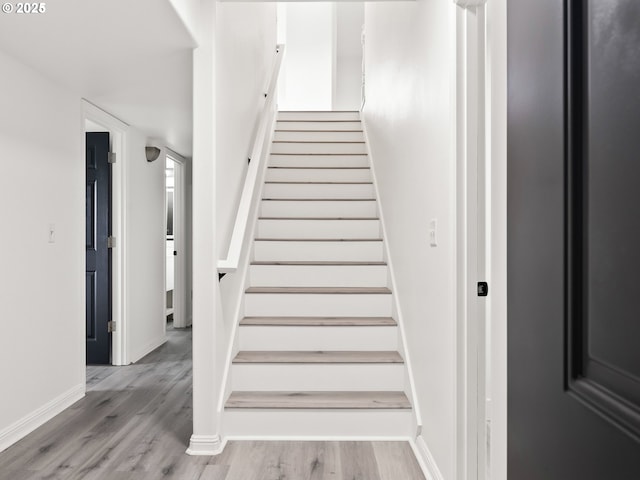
<point x="42" y="288"/>
<point x="409" y="117"/>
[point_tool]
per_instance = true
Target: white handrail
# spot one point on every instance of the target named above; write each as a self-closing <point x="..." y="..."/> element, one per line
<point x="230" y="263"/>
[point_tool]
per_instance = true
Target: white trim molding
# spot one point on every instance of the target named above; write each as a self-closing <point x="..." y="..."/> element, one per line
<point x="425" y="459"/>
<point x="469" y="3"/>
<point x="206" y="445"/>
<point x="40" y="416"/>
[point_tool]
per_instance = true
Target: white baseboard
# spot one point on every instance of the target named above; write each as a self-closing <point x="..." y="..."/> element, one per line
<point x="148" y="348"/>
<point x="425" y="459"/>
<point x="206" y="445"/>
<point x="39" y="417"/>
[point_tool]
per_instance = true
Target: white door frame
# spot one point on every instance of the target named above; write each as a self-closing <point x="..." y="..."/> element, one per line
<point x="118" y="139"/>
<point x="180" y="241"/>
<point x="471" y="227"/>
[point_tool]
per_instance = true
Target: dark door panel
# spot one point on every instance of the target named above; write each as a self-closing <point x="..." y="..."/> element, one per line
<point x="98" y="255"/>
<point x="573" y="239"/>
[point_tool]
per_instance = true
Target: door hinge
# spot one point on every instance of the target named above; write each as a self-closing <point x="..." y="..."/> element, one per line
<point x="111" y="242"/>
<point x="111" y="326"/>
<point x="111" y="157"/>
<point x="483" y="289"/>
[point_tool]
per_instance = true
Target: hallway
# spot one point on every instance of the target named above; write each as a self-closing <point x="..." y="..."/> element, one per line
<point x="135" y="422"/>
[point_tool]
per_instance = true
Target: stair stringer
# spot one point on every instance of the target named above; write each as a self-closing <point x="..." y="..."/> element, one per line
<point x="243" y="270"/>
<point x="403" y="348"/>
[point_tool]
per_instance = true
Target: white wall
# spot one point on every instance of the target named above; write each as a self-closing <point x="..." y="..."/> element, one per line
<point x="309" y="64"/>
<point x="42" y="335"/>
<point x="322" y="69"/>
<point x="246" y="43"/>
<point x="145" y="249"/>
<point x="348" y="78"/>
<point x="409" y="115"/>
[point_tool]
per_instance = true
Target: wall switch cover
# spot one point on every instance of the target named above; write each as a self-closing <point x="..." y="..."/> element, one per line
<point x="433" y="232"/>
<point x="52" y="233"/>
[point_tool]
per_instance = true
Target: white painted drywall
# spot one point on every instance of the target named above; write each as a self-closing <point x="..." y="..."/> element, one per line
<point x="246" y="36"/>
<point x="409" y="52"/>
<point x="348" y="77"/>
<point x="42" y="335"/>
<point x="308" y="68"/>
<point x="145" y="249"/>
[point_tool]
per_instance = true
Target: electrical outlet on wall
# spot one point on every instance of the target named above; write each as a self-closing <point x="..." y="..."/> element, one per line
<point x="433" y="232"/>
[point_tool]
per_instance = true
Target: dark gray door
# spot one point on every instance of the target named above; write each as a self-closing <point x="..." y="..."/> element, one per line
<point x="98" y="255"/>
<point x="574" y="239"/>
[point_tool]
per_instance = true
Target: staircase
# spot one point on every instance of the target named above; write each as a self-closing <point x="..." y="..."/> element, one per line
<point x="318" y="346"/>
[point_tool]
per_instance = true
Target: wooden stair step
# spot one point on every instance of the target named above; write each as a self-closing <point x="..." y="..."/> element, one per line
<point x="320" y="290"/>
<point x="318" y="199"/>
<point x="320" y="154"/>
<point x="318" y="263"/>
<point x="319" y="321"/>
<point x="318" y="218"/>
<point x="319" y="131"/>
<point x="319" y="400"/>
<point x="318" y="168"/>
<point x="304" y="356"/>
<point x="319" y="183"/>
<point x="318" y="239"/>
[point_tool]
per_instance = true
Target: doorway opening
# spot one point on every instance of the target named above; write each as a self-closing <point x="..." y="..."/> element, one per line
<point x="176" y="242"/>
<point x="97" y="120"/>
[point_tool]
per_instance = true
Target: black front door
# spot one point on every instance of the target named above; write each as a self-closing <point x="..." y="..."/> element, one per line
<point x="98" y="255"/>
<point x="574" y="239"/>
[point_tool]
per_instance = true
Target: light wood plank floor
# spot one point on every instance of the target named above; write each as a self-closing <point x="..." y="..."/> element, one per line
<point x="135" y="423"/>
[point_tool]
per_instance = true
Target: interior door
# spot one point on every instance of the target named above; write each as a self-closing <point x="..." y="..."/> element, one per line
<point x="573" y="239"/>
<point x="98" y="254"/>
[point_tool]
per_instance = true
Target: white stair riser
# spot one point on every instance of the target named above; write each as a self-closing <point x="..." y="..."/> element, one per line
<point x="318" y="175"/>
<point x="323" y="209"/>
<point x="324" y="377"/>
<point x="322" y="115"/>
<point x="318" y="338"/>
<point x="318" y="148"/>
<point x="318" y="251"/>
<point x="342" y="136"/>
<point x="318" y="190"/>
<point x="319" y="161"/>
<point x="319" y="229"/>
<point x="318" y="275"/>
<point x="330" y="423"/>
<point x="310" y="125"/>
<point x="323" y="305"/>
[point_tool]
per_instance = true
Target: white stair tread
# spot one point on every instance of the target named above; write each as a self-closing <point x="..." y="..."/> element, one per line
<point x="302" y="356"/>
<point x="320" y="290"/>
<point x="322" y="400"/>
<point x="319" y="321"/>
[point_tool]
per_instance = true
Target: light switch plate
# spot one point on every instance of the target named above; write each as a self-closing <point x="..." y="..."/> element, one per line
<point x="433" y="232"/>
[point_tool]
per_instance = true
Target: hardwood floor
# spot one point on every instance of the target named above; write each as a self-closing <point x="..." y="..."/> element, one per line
<point x="135" y="423"/>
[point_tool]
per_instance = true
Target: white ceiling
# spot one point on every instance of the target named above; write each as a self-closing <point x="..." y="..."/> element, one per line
<point x="130" y="57"/>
